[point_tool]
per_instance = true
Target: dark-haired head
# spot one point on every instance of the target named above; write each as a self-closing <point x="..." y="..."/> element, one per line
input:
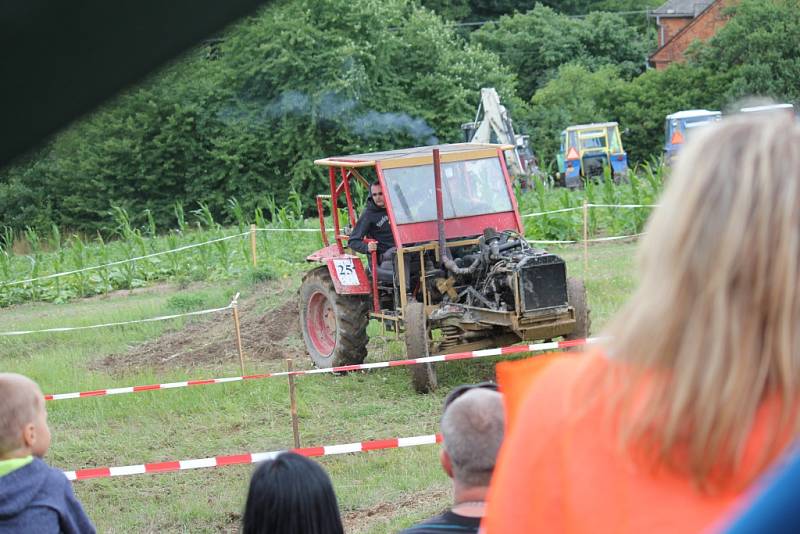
<point x="291" y="494"/>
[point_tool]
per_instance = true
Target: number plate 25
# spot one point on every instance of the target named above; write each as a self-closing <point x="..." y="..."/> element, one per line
<point x="348" y="275"/>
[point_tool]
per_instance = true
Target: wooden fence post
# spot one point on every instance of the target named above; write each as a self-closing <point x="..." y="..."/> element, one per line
<point x="585" y="238"/>
<point x="235" y="306"/>
<point x="293" y="405"/>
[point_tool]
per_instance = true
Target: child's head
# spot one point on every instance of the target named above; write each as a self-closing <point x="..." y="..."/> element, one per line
<point x="23" y="418"/>
<point x="291" y="494"/>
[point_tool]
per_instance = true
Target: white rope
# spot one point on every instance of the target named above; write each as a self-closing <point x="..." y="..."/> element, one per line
<point x="577" y="208"/>
<point x="540" y="213"/>
<point x="622" y="205"/>
<point x="291" y="230"/>
<point x="105" y="325"/>
<point x="95" y="267"/>
<point x="595" y="240"/>
<point x="615" y="238"/>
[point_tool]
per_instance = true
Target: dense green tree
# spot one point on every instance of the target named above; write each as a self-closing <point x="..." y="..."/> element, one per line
<point x="755" y="53"/>
<point x="301" y="80"/>
<point x="535" y="44"/>
<point x="641" y="106"/>
<point x="576" y="95"/>
<point x="473" y="10"/>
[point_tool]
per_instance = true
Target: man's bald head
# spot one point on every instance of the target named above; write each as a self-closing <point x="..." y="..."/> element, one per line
<point x="472" y="431"/>
<point x="20" y="403"/>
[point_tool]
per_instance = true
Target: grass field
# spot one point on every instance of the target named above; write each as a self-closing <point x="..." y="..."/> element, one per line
<point x="380" y="491"/>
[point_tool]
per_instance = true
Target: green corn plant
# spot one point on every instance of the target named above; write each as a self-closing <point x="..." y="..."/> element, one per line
<point x="5" y="265"/>
<point x="260" y="221"/>
<point x="104" y="260"/>
<point x="123" y="220"/>
<point x="174" y="258"/>
<point x="151" y="225"/>
<point x="34" y="295"/>
<point x="35" y="243"/>
<point x="205" y="217"/>
<point x="78" y="253"/>
<point x="7" y="238"/>
<point x="180" y="216"/>
<point x="238" y="214"/>
<point x="224" y="251"/>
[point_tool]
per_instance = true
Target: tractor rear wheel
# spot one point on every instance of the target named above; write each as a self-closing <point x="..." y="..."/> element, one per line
<point x="334" y="326"/>
<point x="423" y="375"/>
<point x="576" y="295"/>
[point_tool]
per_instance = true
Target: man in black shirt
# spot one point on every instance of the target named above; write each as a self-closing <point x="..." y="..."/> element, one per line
<point x="373" y="223"/>
<point x="472" y="431"/>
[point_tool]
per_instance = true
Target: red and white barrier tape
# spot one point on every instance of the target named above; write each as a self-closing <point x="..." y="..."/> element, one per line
<point x="249" y="458"/>
<point x="514" y="349"/>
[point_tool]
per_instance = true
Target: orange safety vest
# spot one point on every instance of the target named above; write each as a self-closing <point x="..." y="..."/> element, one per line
<point x="561" y="468"/>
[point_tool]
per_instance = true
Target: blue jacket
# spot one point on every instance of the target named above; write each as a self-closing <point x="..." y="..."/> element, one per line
<point x="38" y="498"/>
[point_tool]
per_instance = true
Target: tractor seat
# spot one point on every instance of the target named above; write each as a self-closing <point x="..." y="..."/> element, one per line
<point x="386" y="272"/>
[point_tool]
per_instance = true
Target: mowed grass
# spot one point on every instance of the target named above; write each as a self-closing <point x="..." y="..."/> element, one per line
<point x="381" y="491"/>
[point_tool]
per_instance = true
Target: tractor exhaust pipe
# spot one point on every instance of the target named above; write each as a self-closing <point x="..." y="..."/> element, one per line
<point x="437" y="180"/>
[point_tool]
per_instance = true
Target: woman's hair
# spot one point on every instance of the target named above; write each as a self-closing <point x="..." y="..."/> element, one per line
<point x="291" y="495"/>
<point x="714" y="326"/>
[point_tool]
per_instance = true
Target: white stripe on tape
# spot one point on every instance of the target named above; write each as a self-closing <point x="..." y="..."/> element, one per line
<point x="117" y="391"/>
<point x="488" y="352"/>
<point x="416" y="440"/>
<point x="264" y="456"/>
<point x="196" y="464"/>
<point x="228" y="379"/>
<point x="175" y="385"/>
<point x="342" y="449"/>
<point x="61" y="396"/>
<point x="127" y="470"/>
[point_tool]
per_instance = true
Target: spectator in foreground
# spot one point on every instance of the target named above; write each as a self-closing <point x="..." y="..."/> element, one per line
<point x="34" y="497"/>
<point x="472" y="430"/>
<point x="697" y="391"/>
<point x="291" y="495"/>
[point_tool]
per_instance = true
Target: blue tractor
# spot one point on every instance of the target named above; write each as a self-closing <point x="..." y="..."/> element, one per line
<point x="587" y="150"/>
<point x="679" y="128"/>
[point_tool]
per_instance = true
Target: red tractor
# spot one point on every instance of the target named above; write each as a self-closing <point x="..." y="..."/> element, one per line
<point x="462" y="276"/>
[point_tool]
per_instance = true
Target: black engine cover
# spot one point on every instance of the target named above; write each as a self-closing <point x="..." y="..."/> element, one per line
<point x="542" y="282"/>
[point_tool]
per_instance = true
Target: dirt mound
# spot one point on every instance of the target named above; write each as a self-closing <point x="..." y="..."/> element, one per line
<point x="210" y="341"/>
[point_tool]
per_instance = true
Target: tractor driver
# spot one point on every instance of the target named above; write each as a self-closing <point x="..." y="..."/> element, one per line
<point x="373" y="223"/>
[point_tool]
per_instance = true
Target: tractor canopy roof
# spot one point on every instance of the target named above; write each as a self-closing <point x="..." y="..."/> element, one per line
<point x="409" y="157"/>
<point x="590" y="126"/>
<point x="476" y="189"/>
<point x="693" y="113"/>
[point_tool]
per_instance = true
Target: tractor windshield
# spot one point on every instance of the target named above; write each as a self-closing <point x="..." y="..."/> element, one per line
<point x="472" y="187"/>
<point x="593" y="139"/>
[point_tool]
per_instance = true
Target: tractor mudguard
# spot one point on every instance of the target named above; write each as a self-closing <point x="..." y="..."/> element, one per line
<point x="346" y="270"/>
<point x="348" y="275"/>
<point x="619" y="163"/>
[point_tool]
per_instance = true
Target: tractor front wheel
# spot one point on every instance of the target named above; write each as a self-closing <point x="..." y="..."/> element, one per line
<point x="334" y="326"/>
<point x="576" y="295"/>
<point x="423" y="375"/>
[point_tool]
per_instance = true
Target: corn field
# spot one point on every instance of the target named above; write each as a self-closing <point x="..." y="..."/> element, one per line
<point x="24" y="277"/>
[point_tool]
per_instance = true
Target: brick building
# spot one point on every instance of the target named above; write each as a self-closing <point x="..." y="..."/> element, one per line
<point x="681" y="22"/>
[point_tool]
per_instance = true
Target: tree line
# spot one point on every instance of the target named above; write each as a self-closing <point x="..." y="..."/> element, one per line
<point x="245" y="114"/>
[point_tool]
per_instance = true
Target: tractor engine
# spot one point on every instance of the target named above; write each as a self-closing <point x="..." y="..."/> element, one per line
<point x="503" y="273"/>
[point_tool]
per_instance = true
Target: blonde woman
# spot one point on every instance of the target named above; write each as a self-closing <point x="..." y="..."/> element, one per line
<point x="696" y="393"/>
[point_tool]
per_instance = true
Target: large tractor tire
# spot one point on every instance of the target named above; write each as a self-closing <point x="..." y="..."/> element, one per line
<point x="423" y="375"/>
<point x="576" y="295"/>
<point x="334" y="326"/>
